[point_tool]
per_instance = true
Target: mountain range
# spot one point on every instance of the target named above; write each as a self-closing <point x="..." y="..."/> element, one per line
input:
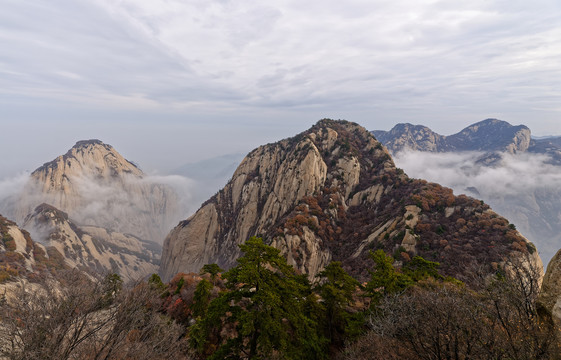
<point x="330" y="199"/>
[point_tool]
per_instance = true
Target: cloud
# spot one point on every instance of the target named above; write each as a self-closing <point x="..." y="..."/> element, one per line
<point x="9" y="187"/>
<point x="359" y="56"/>
<point x="516" y="173"/>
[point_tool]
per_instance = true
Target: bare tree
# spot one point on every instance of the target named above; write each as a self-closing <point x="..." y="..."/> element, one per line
<point x="440" y="320"/>
<point x="76" y="318"/>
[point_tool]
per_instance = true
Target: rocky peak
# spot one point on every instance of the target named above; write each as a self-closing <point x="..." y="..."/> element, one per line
<point x="87" y="157"/>
<point x="412" y="137"/>
<point x="46" y="209"/>
<point x="333" y="193"/>
<point x="21" y="258"/>
<point x="491" y="135"/>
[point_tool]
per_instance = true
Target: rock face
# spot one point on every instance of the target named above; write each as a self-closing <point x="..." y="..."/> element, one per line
<point x="550" y="294"/>
<point x="93" y="249"/>
<point x="334" y="193"/>
<point x="21" y="258"/>
<point x="488" y="135"/>
<point x="97" y="186"/>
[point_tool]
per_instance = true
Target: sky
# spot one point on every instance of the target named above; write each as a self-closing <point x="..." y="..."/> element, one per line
<point x="169" y="82"/>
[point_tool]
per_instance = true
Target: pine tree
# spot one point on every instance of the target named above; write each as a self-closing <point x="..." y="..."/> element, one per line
<point x="266" y="311"/>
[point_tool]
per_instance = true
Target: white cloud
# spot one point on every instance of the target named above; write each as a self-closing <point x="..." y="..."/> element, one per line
<point x="291" y="54"/>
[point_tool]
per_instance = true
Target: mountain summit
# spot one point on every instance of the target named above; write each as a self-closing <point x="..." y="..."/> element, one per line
<point x="86" y="158"/>
<point x="334" y="193"/>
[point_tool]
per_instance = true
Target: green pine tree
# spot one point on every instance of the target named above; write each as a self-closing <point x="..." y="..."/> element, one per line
<point x="336" y="291"/>
<point x="266" y="310"/>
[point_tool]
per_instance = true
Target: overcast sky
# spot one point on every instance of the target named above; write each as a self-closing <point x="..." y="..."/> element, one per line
<point x="168" y="82"/>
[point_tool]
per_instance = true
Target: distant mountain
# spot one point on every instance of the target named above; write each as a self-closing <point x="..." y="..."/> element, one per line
<point x="535" y="210"/>
<point x="489" y="135"/>
<point x="97" y="186"/>
<point x="334" y="193"/>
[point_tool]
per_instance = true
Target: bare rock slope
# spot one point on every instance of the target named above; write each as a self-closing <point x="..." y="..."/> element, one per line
<point x="334" y="193"/>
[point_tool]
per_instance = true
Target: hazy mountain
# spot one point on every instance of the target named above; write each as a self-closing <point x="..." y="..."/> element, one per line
<point x="517" y="175"/>
<point x="97" y="186"/>
<point x="333" y="193"/>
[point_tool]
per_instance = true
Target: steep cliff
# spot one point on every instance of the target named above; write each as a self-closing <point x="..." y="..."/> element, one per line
<point x="334" y="193"/>
<point x="97" y="186"/>
<point x="550" y="295"/>
<point x="93" y="249"/>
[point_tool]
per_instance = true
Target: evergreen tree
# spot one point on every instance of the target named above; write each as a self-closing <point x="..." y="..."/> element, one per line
<point x="201" y="298"/>
<point x="265" y="311"/>
<point x="213" y="270"/>
<point x="336" y="292"/>
<point x="385" y="279"/>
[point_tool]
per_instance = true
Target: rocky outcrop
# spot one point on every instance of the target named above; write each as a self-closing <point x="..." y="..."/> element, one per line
<point x="93" y="249"/>
<point x="22" y="259"/>
<point x="97" y="186"/>
<point x="334" y="193"/>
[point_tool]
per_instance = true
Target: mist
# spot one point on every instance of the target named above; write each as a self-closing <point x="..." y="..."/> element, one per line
<point x="524" y="188"/>
<point x="147" y="207"/>
<point x="10" y="187"/>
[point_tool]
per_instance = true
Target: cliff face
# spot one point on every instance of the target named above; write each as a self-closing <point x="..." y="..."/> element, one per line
<point x="334" y="193"/>
<point x="550" y="294"/>
<point x="93" y="249"/>
<point x="97" y="186"/>
<point x="488" y="135"/>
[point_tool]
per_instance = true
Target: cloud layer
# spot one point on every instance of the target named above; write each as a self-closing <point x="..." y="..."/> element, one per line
<point x="359" y="57"/>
